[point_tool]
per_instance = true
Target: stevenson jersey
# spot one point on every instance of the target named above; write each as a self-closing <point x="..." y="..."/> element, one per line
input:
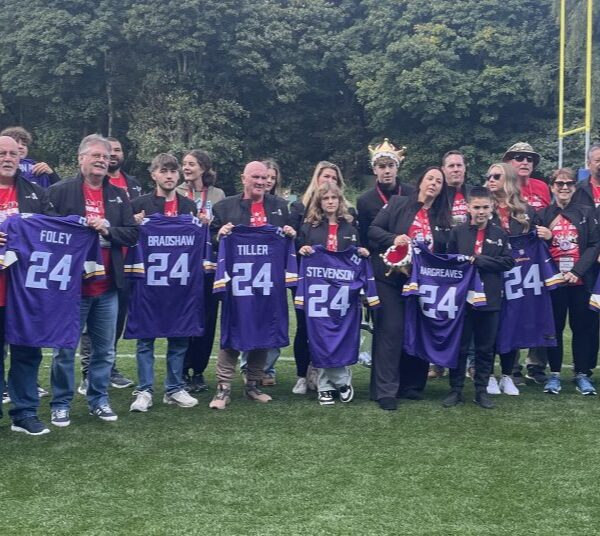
<point x="526" y="318"/>
<point x="329" y="290"/>
<point x="44" y="289"/>
<point x="254" y="267"/>
<point x="439" y="288"/>
<point x="167" y="266"/>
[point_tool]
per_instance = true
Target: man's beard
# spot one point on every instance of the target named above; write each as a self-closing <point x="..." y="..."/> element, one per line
<point x="114" y="167"/>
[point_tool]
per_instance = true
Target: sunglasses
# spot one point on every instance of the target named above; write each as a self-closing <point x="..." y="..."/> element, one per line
<point x="562" y="184"/>
<point x="521" y="157"/>
<point x="495" y="176"/>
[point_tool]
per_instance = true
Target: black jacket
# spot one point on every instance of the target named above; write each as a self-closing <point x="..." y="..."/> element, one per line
<point x="32" y="199"/>
<point x="153" y="204"/>
<point x="309" y="235"/>
<point x="495" y="258"/>
<point x="393" y="220"/>
<point x="67" y="198"/>
<point x="584" y="195"/>
<point x="514" y="226"/>
<point x="588" y="236"/>
<point x="369" y="204"/>
<point x="235" y="209"/>
<point x="134" y="188"/>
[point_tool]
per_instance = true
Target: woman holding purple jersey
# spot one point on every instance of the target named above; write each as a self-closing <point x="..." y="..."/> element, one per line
<point x="328" y="223"/>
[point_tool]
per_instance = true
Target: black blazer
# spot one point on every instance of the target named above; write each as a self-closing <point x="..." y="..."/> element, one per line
<point x="584" y="220"/>
<point x="584" y="194"/>
<point x="153" y="204"/>
<point x="495" y="258"/>
<point x="370" y="203"/>
<point x="309" y="235"/>
<point x="395" y="219"/>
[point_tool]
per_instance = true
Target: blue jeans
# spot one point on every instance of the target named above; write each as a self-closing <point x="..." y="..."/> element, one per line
<point x="100" y="314"/>
<point x="176" y="349"/>
<point x="272" y="357"/>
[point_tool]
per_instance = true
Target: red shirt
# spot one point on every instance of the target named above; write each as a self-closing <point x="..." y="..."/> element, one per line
<point x="504" y="216"/>
<point x="8" y="206"/>
<point x="536" y="193"/>
<point x="564" y="248"/>
<point x="190" y="194"/>
<point x="460" y="210"/>
<point x="420" y="229"/>
<point x="332" y="237"/>
<point x="258" y="216"/>
<point x="171" y="207"/>
<point x="479" y="241"/>
<point x="595" y="192"/>
<point x="94" y="206"/>
<point x="120" y="182"/>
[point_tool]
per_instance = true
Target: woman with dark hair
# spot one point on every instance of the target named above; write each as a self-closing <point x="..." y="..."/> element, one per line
<point x="199" y="186"/>
<point x="571" y="231"/>
<point x="425" y="216"/>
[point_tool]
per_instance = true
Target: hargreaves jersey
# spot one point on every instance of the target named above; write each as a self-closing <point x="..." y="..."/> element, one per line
<point x="439" y="288"/>
<point x="329" y="291"/>
<point x="254" y="267"/>
<point x="44" y="287"/>
<point x="526" y="318"/>
<point x="167" y="267"/>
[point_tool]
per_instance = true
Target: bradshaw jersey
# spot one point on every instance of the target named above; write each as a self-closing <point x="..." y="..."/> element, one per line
<point x="254" y="267"/>
<point x="329" y="291"/>
<point x="439" y="288"/>
<point x="167" y="266"/>
<point x="526" y="319"/>
<point x="48" y="258"/>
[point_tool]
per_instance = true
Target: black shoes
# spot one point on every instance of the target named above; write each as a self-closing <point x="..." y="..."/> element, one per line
<point x="483" y="400"/>
<point x="388" y="403"/>
<point x="453" y="399"/>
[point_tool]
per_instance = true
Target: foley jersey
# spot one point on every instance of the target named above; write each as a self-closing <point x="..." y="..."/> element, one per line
<point x="526" y="318"/>
<point x="439" y="288"/>
<point x="167" y="266"/>
<point x="329" y="291"/>
<point x="254" y="267"/>
<point x="48" y="257"/>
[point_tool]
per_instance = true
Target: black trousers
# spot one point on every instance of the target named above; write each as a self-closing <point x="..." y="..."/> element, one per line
<point x="200" y="348"/>
<point x="301" y="349"/>
<point x="584" y="325"/>
<point x="483" y="326"/>
<point x="393" y="372"/>
<point x="507" y="362"/>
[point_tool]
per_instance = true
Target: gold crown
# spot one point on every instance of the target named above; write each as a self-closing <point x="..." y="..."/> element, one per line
<point x="387" y="149"/>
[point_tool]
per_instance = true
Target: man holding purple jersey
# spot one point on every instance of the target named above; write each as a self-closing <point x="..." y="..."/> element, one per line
<point x="255" y="208"/>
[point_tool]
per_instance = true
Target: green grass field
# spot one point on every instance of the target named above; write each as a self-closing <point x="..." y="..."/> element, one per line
<point x="293" y="467"/>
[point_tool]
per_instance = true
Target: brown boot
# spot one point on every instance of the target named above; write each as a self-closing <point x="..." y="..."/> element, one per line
<point x="222" y="397"/>
<point x="254" y="393"/>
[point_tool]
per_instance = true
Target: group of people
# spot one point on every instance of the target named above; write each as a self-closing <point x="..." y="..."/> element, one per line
<point x="158" y="265"/>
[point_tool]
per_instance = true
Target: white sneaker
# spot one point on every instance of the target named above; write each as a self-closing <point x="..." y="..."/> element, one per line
<point x="508" y="387"/>
<point x="142" y="402"/>
<point x="181" y="398"/>
<point x="492" y="387"/>
<point x="300" y="387"/>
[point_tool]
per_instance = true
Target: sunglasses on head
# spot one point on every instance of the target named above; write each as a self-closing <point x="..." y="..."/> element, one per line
<point x="562" y="184"/>
<point x="495" y="176"/>
<point x="521" y="157"/>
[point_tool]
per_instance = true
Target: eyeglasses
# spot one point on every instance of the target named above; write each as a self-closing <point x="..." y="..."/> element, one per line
<point x="495" y="176"/>
<point x="521" y="157"/>
<point x="562" y="184"/>
<point x="99" y="156"/>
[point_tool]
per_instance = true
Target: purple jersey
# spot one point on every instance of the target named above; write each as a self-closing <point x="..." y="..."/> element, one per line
<point x="439" y="288"/>
<point x="526" y="318"/>
<point x="44" y="286"/>
<point x="171" y="256"/>
<point x="255" y="266"/>
<point x="329" y="291"/>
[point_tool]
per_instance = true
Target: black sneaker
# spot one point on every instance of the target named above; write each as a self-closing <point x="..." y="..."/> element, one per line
<point x="104" y="413"/>
<point x="346" y="393"/>
<point x="197" y="384"/>
<point x="118" y="381"/>
<point x="388" y="403"/>
<point x="325" y="398"/>
<point x="483" y="400"/>
<point x="30" y="426"/>
<point x="537" y="376"/>
<point x="453" y="399"/>
<point x="518" y="379"/>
